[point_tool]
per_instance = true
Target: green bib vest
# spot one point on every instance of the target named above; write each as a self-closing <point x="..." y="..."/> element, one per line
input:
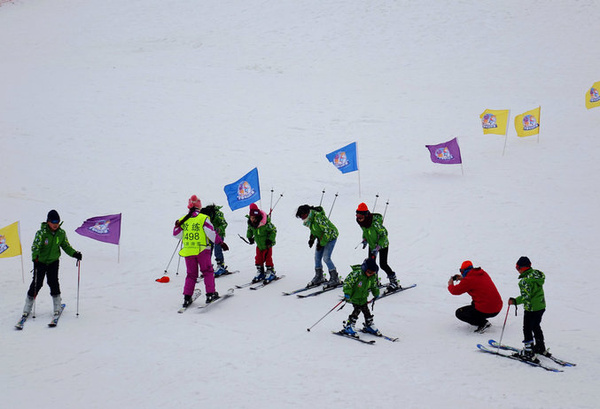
<point x="194" y="239"/>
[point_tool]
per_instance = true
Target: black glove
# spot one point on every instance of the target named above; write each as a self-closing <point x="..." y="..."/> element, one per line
<point x="319" y="247"/>
<point x="77" y="255"/>
<point x="269" y="243"/>
<point x="224" y="246"/>
<point x="512" y="301"/>
<point x="251" y="240"/>
<point x="311" y="241"/>
<point x="364" y="243"/>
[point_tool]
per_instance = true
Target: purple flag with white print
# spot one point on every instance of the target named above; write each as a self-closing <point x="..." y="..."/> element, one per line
<point x="447" y="153"/>
<point x="102" y="228"/>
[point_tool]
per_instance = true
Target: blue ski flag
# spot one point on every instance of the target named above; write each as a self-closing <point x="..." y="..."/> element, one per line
<point x="244" y="191"/>
<point x="345" y="159"/>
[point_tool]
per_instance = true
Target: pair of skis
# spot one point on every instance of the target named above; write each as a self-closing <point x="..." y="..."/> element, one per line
<point x="256" y="285"/>
<point x="364" y="341"/>
<point x="514" y="355"/>
<point x="19" y="325"/>
<point x="197" y="293"/>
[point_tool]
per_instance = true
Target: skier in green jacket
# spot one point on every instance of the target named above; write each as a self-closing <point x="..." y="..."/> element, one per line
<point x="45" y="252"/>
<point x="357" y="285"/>
<point x="324" y="232"/>
<point x="532" y="297"/>
<point x="217" y="218"/>
<point x="375" y="235"/>
<point x="263" y="232"/>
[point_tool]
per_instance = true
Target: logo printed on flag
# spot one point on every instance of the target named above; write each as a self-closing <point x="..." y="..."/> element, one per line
<point x="102" y="228"/>
<point x="344" y="159"/>
<point x="10" y="244"/>
<point x="592" y="96"/>
<point x="244" y="191"/>
<point x="447" y="153"/>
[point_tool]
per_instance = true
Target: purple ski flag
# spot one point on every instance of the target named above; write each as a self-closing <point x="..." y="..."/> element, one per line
<point x="447" y="153"/>
<point x="102" y="228"/>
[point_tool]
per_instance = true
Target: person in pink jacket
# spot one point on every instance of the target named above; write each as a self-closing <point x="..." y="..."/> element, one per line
<point x="197" y="233"/>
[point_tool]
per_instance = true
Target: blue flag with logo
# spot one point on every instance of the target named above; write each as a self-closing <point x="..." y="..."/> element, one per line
<point x="244" y="191"/>
<point x="345" y="159"/>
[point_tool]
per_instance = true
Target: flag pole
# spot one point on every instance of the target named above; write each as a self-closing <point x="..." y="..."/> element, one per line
<point x="539" y="124"/>
<point x="358" y="166"/>
<point x="22" y="268"/>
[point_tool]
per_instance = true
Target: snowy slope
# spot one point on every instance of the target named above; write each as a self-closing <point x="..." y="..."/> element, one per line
<point x="131" y="107"/>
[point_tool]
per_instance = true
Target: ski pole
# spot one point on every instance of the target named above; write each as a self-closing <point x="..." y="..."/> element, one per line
<point x="503" y="326"/>
<point x="78" y="280"/>
<point x="273" y="208"/>
<point x="177" y="245"/>
<point x="328" y="312"/>
<point x="322" y="194"/>
<point x="375" y="204"/>
<point x="243" y="238"/>
<point x="385" y="210"/>
<point x="331" y="210"/>
<point x="271" y="202"/>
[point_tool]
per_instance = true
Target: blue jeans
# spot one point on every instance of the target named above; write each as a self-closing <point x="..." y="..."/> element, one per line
<point x="325" y="255"/>
<point x="218" y="253"/>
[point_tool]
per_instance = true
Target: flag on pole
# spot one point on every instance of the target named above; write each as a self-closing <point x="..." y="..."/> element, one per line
<point x="244" y="191"/>
<point x="528" y="123"/>
<point x="10" y="244"/>
<point x="494" y="121"/>
<point x="447" y="153"/>
<point x="592" y="96"/>
<point x="345" y="159"/>
<point x="102" y="228"/>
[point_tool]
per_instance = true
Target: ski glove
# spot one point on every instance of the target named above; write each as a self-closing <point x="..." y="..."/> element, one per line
<point x="224" y="246"/>
<point x="347" y="297"/>
<point x="269" y="243"/>
<point x="311" y="241"/>
<point x="364" y="244"/>
<point x="251" y="240"/>
<point x="77" y="255"/>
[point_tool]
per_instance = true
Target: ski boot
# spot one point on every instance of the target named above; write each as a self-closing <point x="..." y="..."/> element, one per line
<point x="369" y="327"/>
<point x="334" y="280"/>
<point x="187" y="300"/>
<point x="260" y="274"/>
<point x="349" y="327"/>
<point x="57" y="303"/>
<point x="28" y="306"/>
<point x="210" y="297"/>
<point x="394" y="284"/>
<point x="221" y="269"/>
<point x="527" y="353"/>
<point x="270" y="276"/>
<point x="317" y="279"/>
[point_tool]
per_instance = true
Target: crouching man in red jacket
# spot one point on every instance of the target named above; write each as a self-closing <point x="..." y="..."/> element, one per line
<point x="486" y="303"/>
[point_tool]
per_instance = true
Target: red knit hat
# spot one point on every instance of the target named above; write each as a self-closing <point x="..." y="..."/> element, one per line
<point x="194" y="201"/>
<point x="466" y="265"/>
<point x="362" y="209"/>
<point x="254" y="210"/>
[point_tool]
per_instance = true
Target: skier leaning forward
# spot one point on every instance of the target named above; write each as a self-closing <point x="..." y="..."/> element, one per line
<point x="196" y="233"/>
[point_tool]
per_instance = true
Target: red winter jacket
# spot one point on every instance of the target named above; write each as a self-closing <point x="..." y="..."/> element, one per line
<point x="478" y="284"/>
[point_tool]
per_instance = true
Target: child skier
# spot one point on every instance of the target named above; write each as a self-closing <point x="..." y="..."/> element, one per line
<point x="217" y="218"/>
<point x="263" y="232"/>
<point x="325" y="233"/>
<point x="375" y="235"/>
<point x="357" y="285"/>
<point x="45" y="252"/>
<point x="196" y="230"/>
<point x="531" y="284"/>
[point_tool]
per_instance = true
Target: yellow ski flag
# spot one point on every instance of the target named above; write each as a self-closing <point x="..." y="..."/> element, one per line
<point x="592" y="96"/>
<point x="494" y="121"/>
<point x="528" y="123"/>
<point x="10" y="244"/>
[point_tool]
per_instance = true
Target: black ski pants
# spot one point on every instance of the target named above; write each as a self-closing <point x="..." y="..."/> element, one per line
<point x="41" y="270"/>
<point x="470" y="315"/>
<point x="383" y="260"/>
<point x="532" y="329"/>
<point x="357" y="310"/>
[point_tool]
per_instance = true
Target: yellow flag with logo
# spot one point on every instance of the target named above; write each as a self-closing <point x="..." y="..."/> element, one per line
<point x="10" y="244"/>
<point x="592" y="96"/>
<point x="528" y="123"/>
<point x="494" y="121"/>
